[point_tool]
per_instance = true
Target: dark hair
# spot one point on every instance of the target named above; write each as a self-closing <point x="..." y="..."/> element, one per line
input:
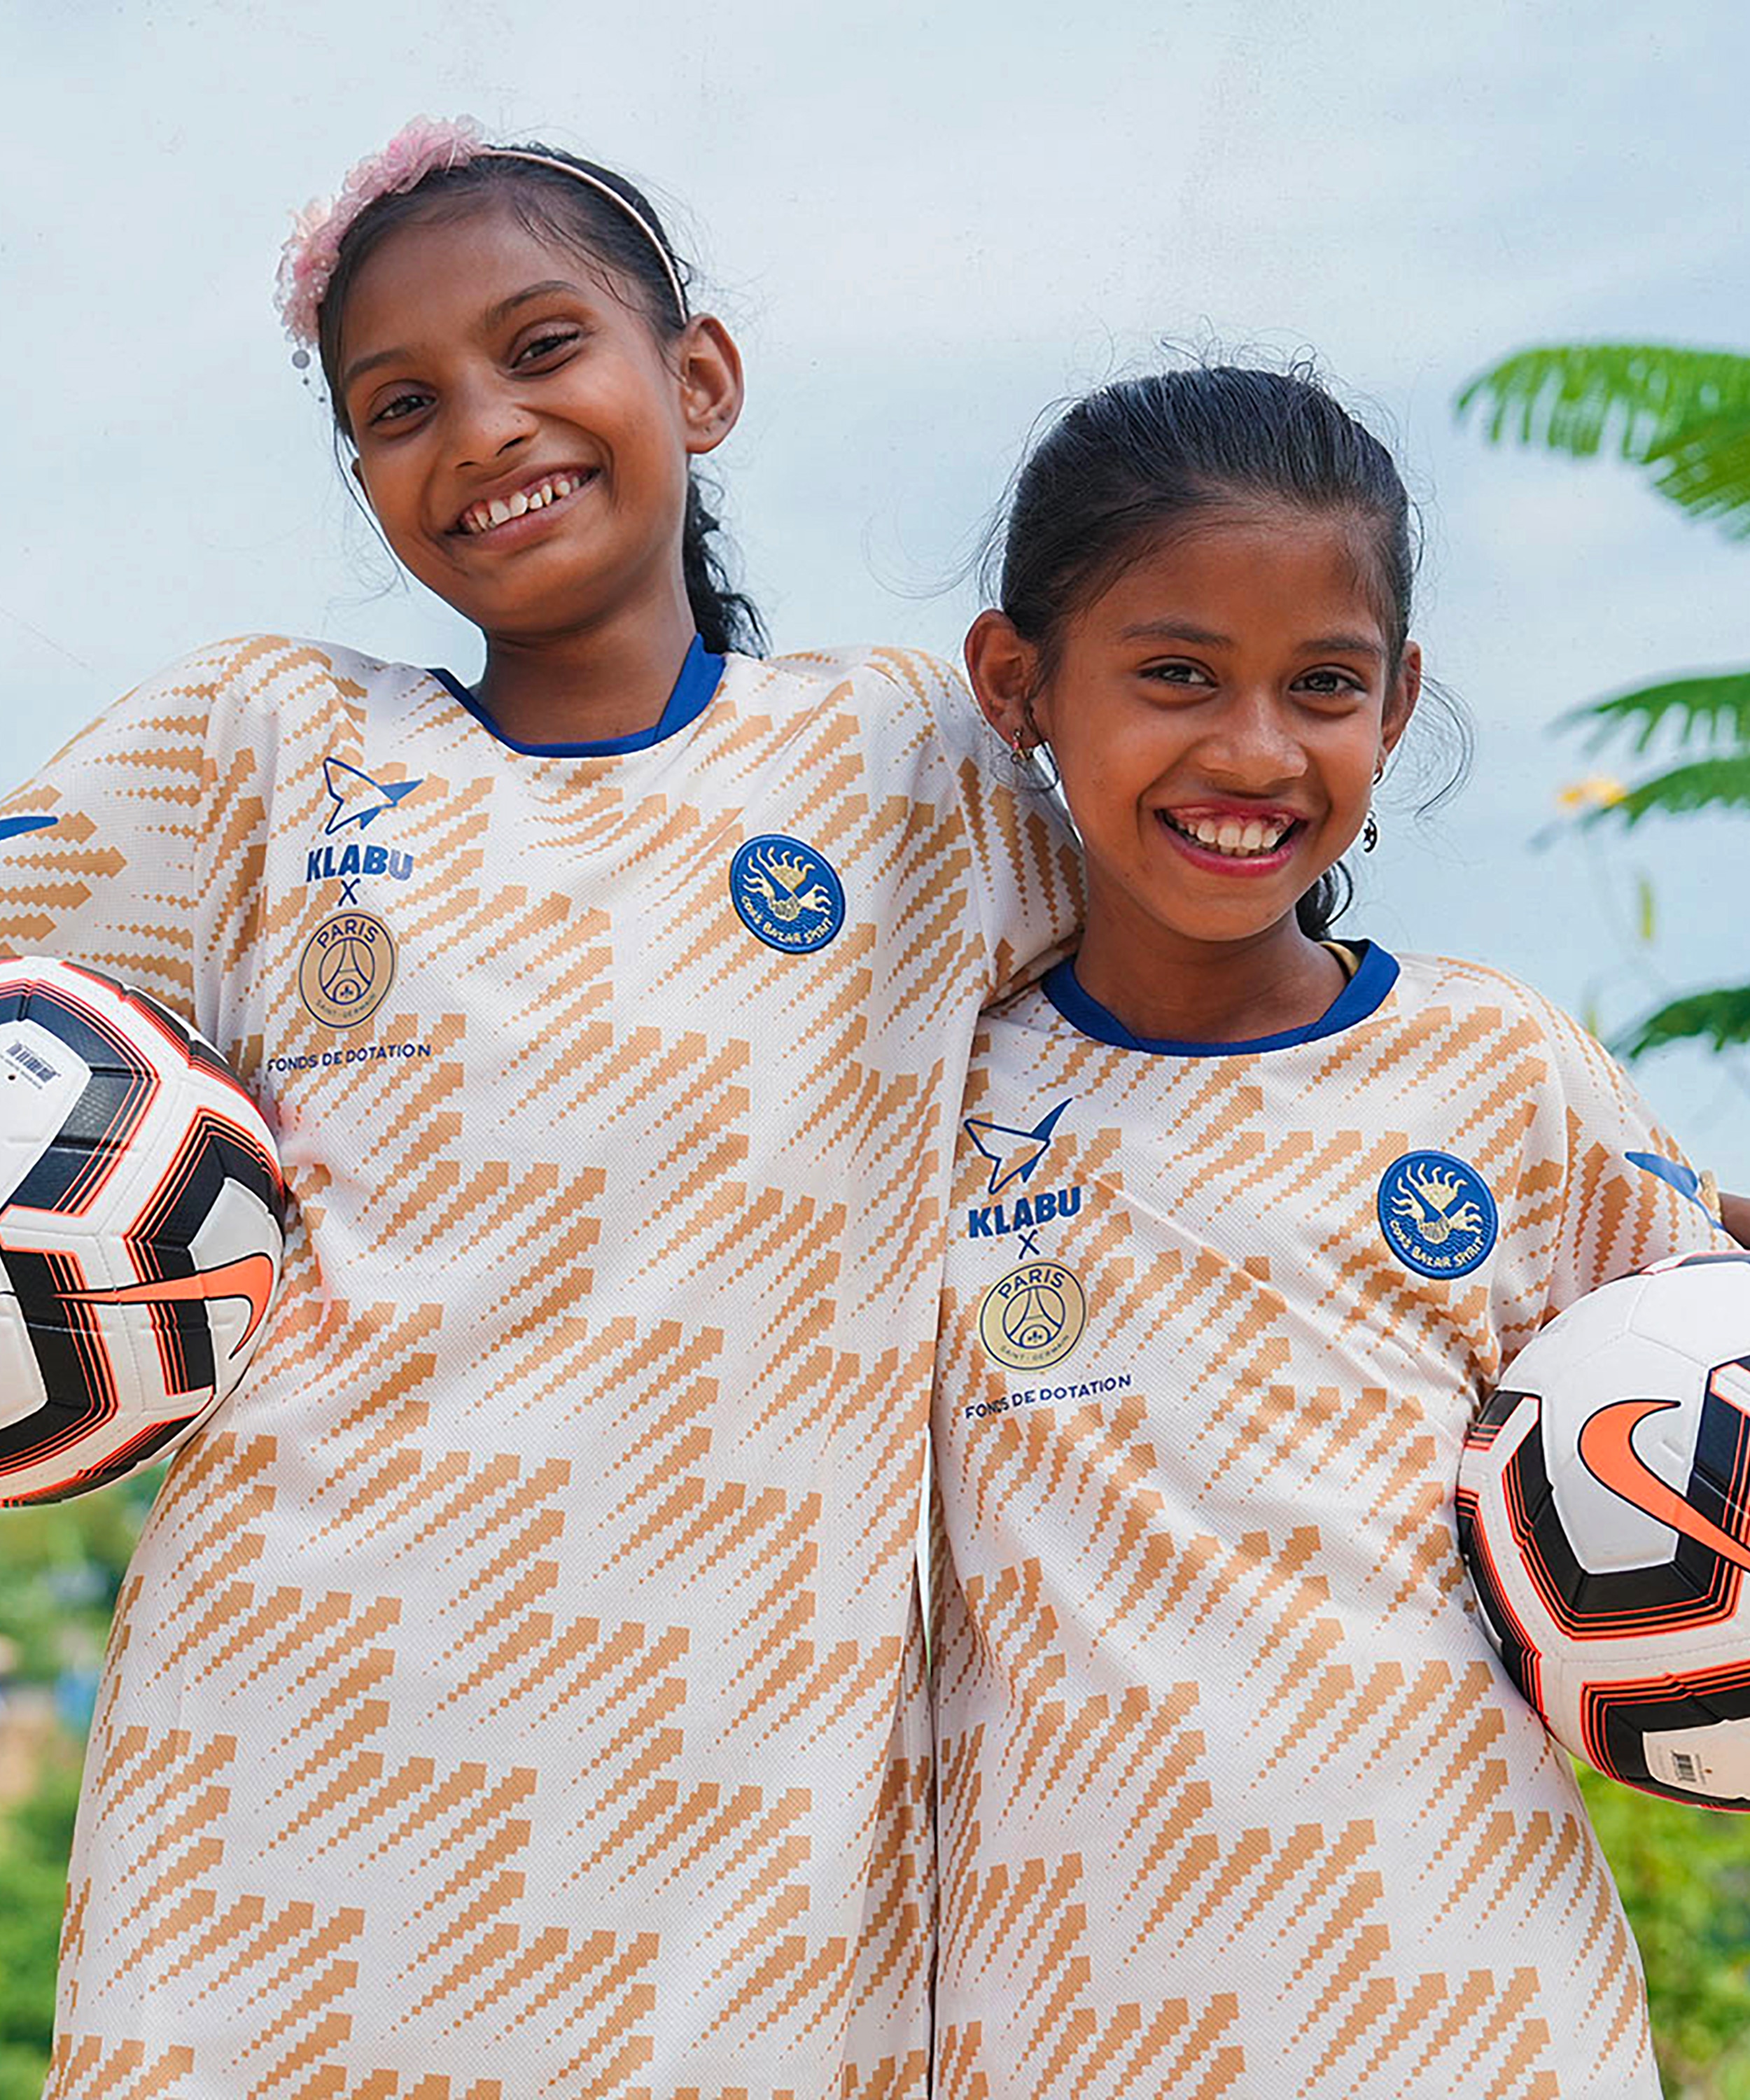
<point x="1144" y="458"/>
<point x="554" y="206"/>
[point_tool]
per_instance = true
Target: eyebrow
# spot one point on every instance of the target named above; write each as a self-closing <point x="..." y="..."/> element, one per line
<point x="1185" y="630"/>
<point x="494" y="316"/>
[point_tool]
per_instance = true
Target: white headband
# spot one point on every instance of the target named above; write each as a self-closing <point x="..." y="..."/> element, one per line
<point x="614" y="198"/>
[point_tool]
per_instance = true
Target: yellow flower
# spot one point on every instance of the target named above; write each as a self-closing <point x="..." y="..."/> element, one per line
<point x="1598" y="791"/>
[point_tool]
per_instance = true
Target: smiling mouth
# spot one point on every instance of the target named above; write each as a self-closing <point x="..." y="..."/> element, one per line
<point x="488" y="515"/>
<point x="1251" y="838"/>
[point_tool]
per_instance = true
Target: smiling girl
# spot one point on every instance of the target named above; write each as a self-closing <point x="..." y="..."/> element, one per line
<point x="504" y="1696"/>
<point x="1235" y="1798"/>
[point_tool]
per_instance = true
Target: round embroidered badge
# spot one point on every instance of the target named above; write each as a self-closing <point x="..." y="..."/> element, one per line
<point x="1437" y="1214"/>
<point x="347" y="968"/>
<point x="1033" y="1316"/>
<point x="787" y="893"/>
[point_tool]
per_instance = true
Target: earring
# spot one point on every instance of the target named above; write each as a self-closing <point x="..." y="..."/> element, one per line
<point x="1030" y="762"/>
<point x="1370" y="833"/>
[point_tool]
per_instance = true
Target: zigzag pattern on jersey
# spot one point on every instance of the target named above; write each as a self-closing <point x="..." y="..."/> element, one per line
<point x="204" y="806"/>
<point x="85" y="2068"/>
<point x="1138" y="2053"/>
<point x="1047" y="2039"/>
<point x="894" y="1969"/>
<point x="1007" y="829"/>
<point x="290" y="1966"/>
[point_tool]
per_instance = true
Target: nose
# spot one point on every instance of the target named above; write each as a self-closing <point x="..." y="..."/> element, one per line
<point x="487" y="422"/>
<point x="1250" y="744"/>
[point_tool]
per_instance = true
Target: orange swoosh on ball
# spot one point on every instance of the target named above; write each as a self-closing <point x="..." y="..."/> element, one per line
<point x="250" y="1277"/>
<point x="1610" y="1456"/>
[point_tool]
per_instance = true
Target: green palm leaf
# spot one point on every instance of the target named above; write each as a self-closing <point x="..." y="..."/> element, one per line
<point x="1722" y="1017"/>
<point x="1709" y="783"/>
<point x="1682" y="414"/>
<point x="1712" y="709"/>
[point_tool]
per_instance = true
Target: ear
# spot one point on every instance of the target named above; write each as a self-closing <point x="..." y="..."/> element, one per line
<point x="1400" y="702"/>
<point x="1004" y="669"/>
<point x="712" y="393"/>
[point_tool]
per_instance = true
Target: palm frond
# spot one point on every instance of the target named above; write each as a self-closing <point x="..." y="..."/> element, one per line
<point x="1714" y="709"/>
<point x="1703" y="468"/>
<point x="1683" y="414"/>
<point x="1720" y="1017"/>
<point x="1706" y="784"/>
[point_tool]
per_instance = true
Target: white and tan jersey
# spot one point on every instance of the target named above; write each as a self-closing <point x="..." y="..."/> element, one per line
<point x="502" y="1696"/>
<point x="1236" y="1799"/>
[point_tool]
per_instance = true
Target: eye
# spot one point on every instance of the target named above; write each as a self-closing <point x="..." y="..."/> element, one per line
<point x="1329" y="683"/>
<point x="547" y="347"/>
<point x="1175" y="671"/>
<point x="399" y="407"/>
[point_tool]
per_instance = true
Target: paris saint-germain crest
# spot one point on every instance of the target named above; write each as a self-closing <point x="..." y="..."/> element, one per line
<point x="787" y="893"/>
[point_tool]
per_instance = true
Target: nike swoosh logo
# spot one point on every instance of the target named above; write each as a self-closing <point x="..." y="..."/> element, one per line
<point x="1608" y="1453"/>
<point x="250" y="1277"/>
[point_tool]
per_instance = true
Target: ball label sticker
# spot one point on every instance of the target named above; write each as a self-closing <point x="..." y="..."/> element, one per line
<point x="1033" y="1317"/>
<point x="347" y="968"/>
<point x="1437" y="1214"/>
<point x="786" y="894"/>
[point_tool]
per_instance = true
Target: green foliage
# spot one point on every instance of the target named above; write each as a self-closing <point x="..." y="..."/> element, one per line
<point x="1709" y="783"/>
<point x="62" y="1564"/>
<point x="35" y="1841"/>
<point x="1720" y="1019"/>
<point x="1684" y="415"/>
<point x="1684" y="1878"/>
<point x="1714" y="710"/>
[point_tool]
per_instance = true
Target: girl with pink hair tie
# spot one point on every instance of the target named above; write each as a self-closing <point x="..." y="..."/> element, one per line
<point x="516" y="1688"/>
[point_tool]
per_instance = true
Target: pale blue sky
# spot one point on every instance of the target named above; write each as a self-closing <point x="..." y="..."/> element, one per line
<point x="925" y="225"/>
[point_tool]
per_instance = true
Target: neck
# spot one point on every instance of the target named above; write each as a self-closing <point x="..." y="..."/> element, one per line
<point x="1164" y="986"/>
<point x="609" y="677"/>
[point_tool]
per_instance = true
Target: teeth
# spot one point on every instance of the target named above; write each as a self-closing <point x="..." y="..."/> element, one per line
<point x="1228" y="835"/>
<point x="482" y="517"/>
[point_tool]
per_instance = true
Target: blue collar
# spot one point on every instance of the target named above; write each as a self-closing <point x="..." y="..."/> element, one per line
<point x="700" y="674"/>
<point x="1364" y="995"/>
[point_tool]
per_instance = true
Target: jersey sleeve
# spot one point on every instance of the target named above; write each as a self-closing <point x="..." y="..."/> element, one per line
<point x="1026" y="871"/>
<point x="130" y="850"/>
<point x="1629" y="1197"/>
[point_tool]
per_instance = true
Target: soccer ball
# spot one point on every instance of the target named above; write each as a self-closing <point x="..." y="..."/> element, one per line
<point x="140" y="1236"/>
<point x="1604" y="1510"/>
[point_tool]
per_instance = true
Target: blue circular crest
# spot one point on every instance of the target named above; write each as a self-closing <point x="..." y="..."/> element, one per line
<point x="1437" y="1214"/>
<point x="787" y="893"/>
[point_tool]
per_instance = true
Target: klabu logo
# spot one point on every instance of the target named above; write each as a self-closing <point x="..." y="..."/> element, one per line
<point x="358" y="799"/>
<point x="1437" y="1214"/>
<point x="1015" y="1155"/>
<point x="786" y="894"/>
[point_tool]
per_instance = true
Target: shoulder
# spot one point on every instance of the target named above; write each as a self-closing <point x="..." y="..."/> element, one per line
<point x="1457" y="981"/>
<point x="1489" y="1002"/>
<point x="277" y="671"/>
<point x="885" y="687"/>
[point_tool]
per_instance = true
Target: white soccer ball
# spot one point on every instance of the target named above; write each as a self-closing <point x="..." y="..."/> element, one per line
<point x="140" y="1235"/>
<point x="1604" y="1510"/>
